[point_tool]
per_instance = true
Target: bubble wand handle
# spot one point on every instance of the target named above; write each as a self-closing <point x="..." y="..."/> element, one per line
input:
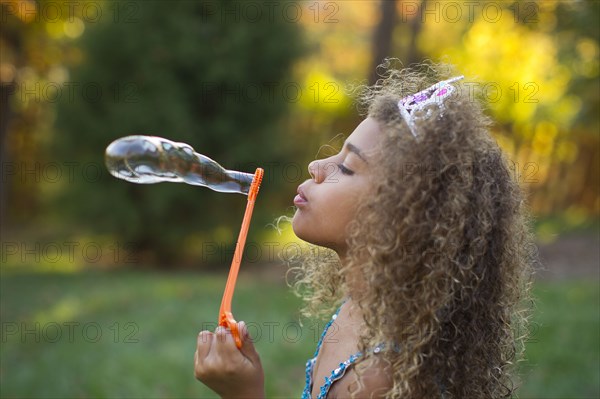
<point x="225" y="316"/>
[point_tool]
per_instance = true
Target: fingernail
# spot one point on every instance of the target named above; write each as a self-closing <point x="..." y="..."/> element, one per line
<point x="204" y="336"/>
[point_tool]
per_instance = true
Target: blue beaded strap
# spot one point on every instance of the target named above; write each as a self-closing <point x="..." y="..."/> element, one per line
<point x="310" y="364"/>
<point x="339" y="372"/>
<point x="329" y="323"/>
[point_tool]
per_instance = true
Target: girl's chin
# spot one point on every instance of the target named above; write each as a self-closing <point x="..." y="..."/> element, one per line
<point x="296" y="224"/>
<point x="299" y="226"/>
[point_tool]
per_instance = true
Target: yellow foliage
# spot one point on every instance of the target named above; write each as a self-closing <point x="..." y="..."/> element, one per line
<point x="587" y="64"/>
<point x="74" y="28"/>
<point x="54" y="30"/>
<point x="323" y="92"/>
<point x="566" y="151"/>
<point x="517" y="66"/>
<point x="543" y="141"/>
<point x="340" y="33"/>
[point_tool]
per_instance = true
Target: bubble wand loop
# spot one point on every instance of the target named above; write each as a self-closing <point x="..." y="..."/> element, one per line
<point x="225" y="317"/>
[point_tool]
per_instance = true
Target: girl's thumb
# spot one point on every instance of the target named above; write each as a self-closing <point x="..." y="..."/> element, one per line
<point x="243" y="329"/>
<point x="247" y="345"/>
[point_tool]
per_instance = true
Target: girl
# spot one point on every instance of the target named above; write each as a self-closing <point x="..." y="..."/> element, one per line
<point x="430" y="235"/>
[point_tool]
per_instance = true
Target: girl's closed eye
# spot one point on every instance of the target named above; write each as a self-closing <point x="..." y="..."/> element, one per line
<point x="345" y="170"/>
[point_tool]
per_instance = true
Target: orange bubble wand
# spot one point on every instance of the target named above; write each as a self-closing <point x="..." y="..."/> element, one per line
<point x="151" y="159"/>
<point x="225" y="317"/>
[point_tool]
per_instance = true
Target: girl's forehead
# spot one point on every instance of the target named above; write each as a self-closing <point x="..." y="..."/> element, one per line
<point x="366" y="135"/>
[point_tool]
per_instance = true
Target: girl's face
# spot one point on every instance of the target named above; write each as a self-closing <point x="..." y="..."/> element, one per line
<point x="328" y="202"/>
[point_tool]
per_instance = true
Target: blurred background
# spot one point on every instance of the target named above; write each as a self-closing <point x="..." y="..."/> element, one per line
<point x="105" y="284"/>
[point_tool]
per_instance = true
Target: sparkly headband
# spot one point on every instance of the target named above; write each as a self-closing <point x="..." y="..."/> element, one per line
<point x="435" y="94"/>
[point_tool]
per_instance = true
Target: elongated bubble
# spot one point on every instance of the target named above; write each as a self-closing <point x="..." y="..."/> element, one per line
<point x="151" y="159"/>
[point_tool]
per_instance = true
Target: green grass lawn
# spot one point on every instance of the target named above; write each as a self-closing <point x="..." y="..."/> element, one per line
<point x="564" y="349"/>
<point x="133" y="334"/>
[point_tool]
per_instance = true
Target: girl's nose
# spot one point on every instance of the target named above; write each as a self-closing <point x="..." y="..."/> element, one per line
<point x="315" y="171"/>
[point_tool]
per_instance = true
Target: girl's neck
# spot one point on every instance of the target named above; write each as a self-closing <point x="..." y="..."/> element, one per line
<point x="354" y="280"/>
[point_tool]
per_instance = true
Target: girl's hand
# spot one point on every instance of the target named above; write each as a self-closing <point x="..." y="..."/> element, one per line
<point x="227" y="370"/>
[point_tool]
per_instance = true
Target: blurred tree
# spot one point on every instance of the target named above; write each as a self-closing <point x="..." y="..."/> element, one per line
<point x="34" y="44"/>
<point x="382" y="36"/>
<point x="210" y="74"/>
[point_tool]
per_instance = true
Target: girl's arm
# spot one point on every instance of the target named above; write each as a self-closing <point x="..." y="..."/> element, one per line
<point x="227" y="370"/>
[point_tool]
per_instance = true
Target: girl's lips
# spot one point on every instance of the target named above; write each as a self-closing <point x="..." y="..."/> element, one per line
<point x="300" y="199"/>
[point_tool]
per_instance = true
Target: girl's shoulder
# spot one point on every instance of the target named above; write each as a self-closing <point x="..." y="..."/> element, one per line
<point x="375" y="381"/>
<point x="376" y="377"/>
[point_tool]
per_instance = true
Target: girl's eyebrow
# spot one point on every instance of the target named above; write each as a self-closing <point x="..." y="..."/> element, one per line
<point x="352" y="148"/>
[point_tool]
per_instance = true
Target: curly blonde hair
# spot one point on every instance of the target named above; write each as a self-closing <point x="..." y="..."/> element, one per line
<point x="444" y="247"/>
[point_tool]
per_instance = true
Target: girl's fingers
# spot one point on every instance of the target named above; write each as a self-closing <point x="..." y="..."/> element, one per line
<point x="205" y="340"/>
<point x="224" y="345"/>
<point x="203" y="347"/>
